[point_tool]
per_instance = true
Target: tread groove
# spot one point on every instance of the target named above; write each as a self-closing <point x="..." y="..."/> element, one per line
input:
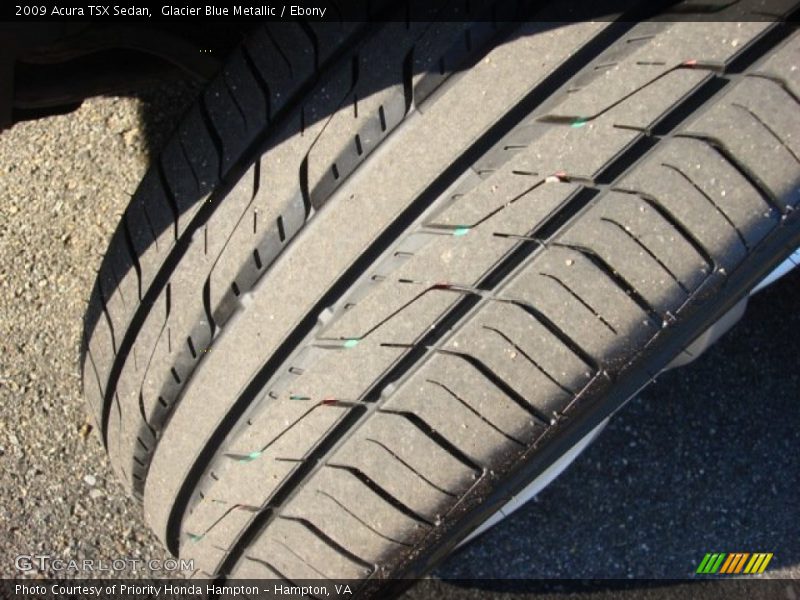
<point x="477" y="414"/>
<point x="554" y="329"/>
<point x="262" y="83"/>
<point x="330" y="541"/>
<point x="637" y="240"/>
<point x="710" y="200"/>
<point x="581" y="301"/>
<point x="498" y="382"/>
<point x="769" y="129"/>
<point x="408" y="466"/>
<point x="132" y="254"/>
<point x="434" y="435"/>
<point x="616" y="278"/>
<point x="213" y="134"/>
<point x="269" y="566"/>
<point x="169" y="195"/>
<point x="382" y="493"/>
<point x="107" y="316"/>
<point x="301" y="559"/>
<point x="530" y="359"/>
<point x="683" y="230"/>
<point x="360" y="520"/>
<point x="720" y="148"/>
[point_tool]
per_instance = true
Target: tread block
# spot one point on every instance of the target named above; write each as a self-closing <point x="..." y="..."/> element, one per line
<point x="755" y="147"/>
<point x="290" y="545"/>
<point x="628" y="258"/>
<point x="583" y="322"/>
<point x="405" y="471"/>
<point x="480" y="394"/>
<point x="448" y="417"/>
<point x="713" y="189"/>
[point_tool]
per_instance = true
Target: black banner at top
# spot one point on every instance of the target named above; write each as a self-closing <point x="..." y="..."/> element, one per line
<point x="254" y="11"/>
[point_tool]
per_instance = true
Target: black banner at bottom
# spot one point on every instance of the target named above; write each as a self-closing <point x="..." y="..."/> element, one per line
<point x="183" y="589"/>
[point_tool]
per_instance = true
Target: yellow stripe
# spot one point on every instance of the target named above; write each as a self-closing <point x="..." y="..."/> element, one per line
<point x="761" y="557"/>
<point x="727" y="562"/>
<point x="741" y="562"/>
<point x="765" y="563"/>
<point x="749" y="567"/>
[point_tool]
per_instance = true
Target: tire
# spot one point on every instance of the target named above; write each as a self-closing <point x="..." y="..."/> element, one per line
<point x="383" y="276"/>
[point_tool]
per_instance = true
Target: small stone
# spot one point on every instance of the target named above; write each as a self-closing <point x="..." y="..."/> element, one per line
<point x="85" y="430"/>
<point x="95" y="494"/>
<point x="90" y="479"/>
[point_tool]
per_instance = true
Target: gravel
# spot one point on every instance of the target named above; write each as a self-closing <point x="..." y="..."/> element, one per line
<point x="706" y="460"/>
<point x="65" y="181"/>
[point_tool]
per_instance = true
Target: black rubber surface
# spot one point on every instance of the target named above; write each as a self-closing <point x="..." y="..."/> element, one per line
<point x="365" y="284"/>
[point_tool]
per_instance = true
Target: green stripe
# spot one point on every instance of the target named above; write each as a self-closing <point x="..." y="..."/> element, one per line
<point x="718" y="564"/>
<point x="702" y="566"/>
<point x="711" y="561"/>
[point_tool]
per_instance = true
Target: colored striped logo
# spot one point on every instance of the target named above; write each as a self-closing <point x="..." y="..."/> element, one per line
<point x="723" y="563"/>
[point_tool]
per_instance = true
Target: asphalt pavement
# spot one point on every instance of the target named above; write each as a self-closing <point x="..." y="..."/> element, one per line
<point x="705" y="460"/>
